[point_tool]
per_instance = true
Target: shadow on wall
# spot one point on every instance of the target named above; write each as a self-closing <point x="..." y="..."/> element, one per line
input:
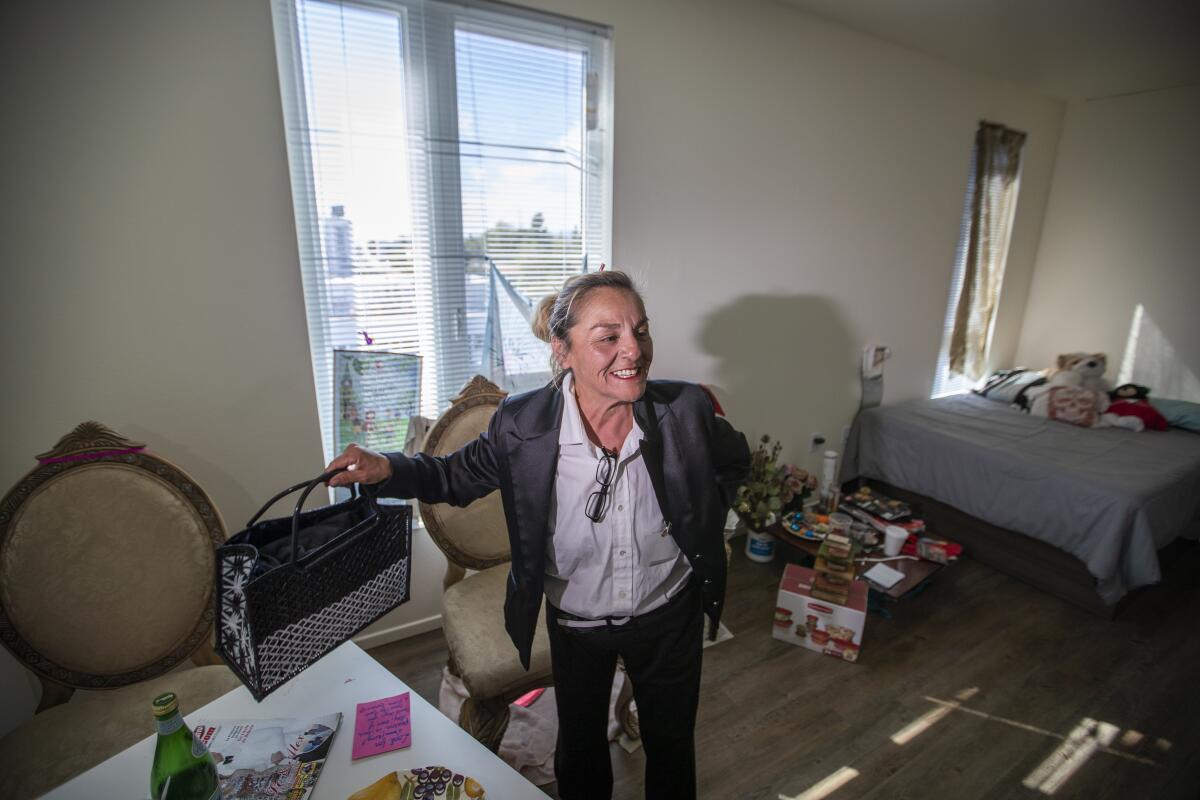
<point x="1151" y="360"/>
<point x="229" y="495"/>
<point x="788" y="366"/>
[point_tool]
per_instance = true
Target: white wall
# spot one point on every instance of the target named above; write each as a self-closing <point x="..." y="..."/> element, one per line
<point x="790" y="190"/>
<point x="1121" y="233"/>
<point x="787" y="190"/>
<point x="150" y="255"/>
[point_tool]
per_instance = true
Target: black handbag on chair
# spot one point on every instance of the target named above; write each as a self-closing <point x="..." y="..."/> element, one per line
<point x="289" y="590"/>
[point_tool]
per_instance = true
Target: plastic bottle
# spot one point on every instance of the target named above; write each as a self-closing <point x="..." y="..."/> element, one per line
<point x="830" y="492"/>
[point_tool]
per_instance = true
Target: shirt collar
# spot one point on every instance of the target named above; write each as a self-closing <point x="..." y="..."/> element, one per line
<point x="571" y="431"/>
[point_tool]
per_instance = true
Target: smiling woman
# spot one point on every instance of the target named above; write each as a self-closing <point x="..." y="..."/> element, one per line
<point x="616" y="489"/>
<point x="598" y="331"/>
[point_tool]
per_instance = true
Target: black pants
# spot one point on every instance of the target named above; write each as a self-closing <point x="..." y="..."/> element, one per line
<point x="662" y="654"/>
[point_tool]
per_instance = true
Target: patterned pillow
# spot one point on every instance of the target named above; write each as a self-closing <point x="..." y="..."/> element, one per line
<point x="1009" y="386"/>
<point x="1074" y="404"/>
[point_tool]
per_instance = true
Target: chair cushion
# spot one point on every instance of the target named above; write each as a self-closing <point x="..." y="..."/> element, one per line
<point x="473" y="622"/>
<point x="69" y="739"/>
<point x="82" y="573"/>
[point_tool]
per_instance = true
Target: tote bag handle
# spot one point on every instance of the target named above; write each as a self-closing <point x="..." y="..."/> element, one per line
<point x="307" y="486"/>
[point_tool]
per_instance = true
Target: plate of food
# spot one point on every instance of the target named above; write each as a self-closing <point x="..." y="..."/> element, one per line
<point x="423" y="783"/>
<point x="813" y="527"/>
<point x="881" y="506"/>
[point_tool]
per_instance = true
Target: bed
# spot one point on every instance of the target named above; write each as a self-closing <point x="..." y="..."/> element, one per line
<point x="1080" y="512"/>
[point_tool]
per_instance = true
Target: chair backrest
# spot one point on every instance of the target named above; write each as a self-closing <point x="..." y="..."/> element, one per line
<point x="475" y="537"/>
<point x="106" y="563"/>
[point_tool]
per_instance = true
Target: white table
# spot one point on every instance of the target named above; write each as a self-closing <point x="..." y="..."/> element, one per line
<point x="338" y="682"/>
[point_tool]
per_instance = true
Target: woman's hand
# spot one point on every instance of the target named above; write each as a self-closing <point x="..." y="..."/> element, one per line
<point x="361" y="465"/>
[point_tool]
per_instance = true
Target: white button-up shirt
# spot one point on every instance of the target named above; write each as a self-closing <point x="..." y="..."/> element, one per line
<point x="624" y="565"/>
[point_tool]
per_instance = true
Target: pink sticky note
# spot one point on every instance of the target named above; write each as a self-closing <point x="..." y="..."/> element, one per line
<point x="381" y="726"/>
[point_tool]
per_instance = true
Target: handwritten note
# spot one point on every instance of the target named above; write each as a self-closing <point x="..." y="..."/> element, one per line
<point x="381" y="726"/>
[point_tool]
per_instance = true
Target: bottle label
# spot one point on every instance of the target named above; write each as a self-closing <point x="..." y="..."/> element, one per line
<point x="762" y="546"/>
<point x="169" y="725"/>
<point x="198" y="748"/>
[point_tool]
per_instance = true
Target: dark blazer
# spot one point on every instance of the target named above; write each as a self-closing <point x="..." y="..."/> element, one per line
<point x="695" y="459"/>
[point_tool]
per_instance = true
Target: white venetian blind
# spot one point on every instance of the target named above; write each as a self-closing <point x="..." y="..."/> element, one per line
<point x="429" y="144"/>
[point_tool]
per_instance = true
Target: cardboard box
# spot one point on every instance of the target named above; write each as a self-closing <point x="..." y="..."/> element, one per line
<point x="829" y="628"/>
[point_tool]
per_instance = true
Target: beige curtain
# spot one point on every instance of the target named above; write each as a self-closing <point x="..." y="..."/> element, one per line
<point x="997" y="166"/>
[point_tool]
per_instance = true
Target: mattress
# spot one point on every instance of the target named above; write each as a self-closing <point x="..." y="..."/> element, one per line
<point x="1109" y="497"/>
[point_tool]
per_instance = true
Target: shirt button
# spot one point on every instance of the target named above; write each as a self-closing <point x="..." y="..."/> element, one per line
<point x="620" y="508"/>
<point x="698" y="556"/>
<point x="707" y="581"/>
<point x="622" y="553"/>
<point x="620" y="594"/>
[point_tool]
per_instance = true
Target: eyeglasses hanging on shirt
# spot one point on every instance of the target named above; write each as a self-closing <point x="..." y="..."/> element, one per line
<point x="606" y="468"/>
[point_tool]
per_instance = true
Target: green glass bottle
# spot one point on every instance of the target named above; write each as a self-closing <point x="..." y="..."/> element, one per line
<point x="183" y="768"/>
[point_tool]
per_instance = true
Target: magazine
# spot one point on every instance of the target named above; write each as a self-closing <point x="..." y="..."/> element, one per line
<point x="268" y="759"/>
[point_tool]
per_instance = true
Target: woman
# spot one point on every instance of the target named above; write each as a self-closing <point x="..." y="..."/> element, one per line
<point x="615" y="490"/>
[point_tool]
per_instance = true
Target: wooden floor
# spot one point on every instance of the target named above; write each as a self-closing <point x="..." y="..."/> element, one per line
<point x="978" y="687"/>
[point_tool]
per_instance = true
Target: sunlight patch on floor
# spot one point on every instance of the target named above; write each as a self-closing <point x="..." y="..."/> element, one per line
<point x="826" y="786"/>
<point x="1069" y="757"/>
<point x="1104" y="748"/>
<point x="923" y="722"/>
<point x="1073" y="751"/>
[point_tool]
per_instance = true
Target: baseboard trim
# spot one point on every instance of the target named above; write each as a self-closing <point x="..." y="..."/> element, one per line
<point x="398" y="632"/>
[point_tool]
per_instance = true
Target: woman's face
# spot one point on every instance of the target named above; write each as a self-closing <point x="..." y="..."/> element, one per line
<point x="610" y="347"/>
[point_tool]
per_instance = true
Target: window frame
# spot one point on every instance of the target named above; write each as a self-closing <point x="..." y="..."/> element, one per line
<point x="436" y="195"/>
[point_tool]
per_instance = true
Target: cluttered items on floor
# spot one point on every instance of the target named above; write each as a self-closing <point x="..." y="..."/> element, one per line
<point x="834" y="570"/>
<point x="902" y="545"/>
<point x="865" y="517"/>
<point x="804" y="619"/>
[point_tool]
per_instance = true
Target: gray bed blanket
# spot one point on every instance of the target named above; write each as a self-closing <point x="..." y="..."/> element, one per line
<point x="1109" y="497"/>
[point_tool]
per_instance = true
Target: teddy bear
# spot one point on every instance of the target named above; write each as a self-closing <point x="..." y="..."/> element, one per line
<point x="1076" y="392"/>
<point x="1081" y="369"/>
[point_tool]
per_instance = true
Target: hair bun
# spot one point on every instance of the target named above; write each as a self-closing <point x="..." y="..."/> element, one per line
<point x="540" y="324"/>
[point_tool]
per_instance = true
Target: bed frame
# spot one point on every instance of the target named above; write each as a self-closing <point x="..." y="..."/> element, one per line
<point x="1034" y="562"/>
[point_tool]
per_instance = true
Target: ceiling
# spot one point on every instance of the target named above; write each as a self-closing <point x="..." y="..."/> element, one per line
<point x="1067" y="49"/>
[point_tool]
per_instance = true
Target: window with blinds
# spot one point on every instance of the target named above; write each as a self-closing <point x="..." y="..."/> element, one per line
<point x="450" y="165"/>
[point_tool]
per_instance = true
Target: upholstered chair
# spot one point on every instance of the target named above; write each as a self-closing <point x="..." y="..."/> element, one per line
<point x="476" y="538"/>
<point x="106" y="581"/>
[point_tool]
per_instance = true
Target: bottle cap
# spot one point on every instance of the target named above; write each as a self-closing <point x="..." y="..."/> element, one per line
<point x="165" y="704"/>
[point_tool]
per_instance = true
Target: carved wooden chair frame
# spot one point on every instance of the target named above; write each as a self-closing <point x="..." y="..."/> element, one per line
<point x="478" y="391"/>
<point x="88" y="444"/>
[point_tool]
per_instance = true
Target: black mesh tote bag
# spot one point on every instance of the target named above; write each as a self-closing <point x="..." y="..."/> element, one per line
<point x="289" y="590"/>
